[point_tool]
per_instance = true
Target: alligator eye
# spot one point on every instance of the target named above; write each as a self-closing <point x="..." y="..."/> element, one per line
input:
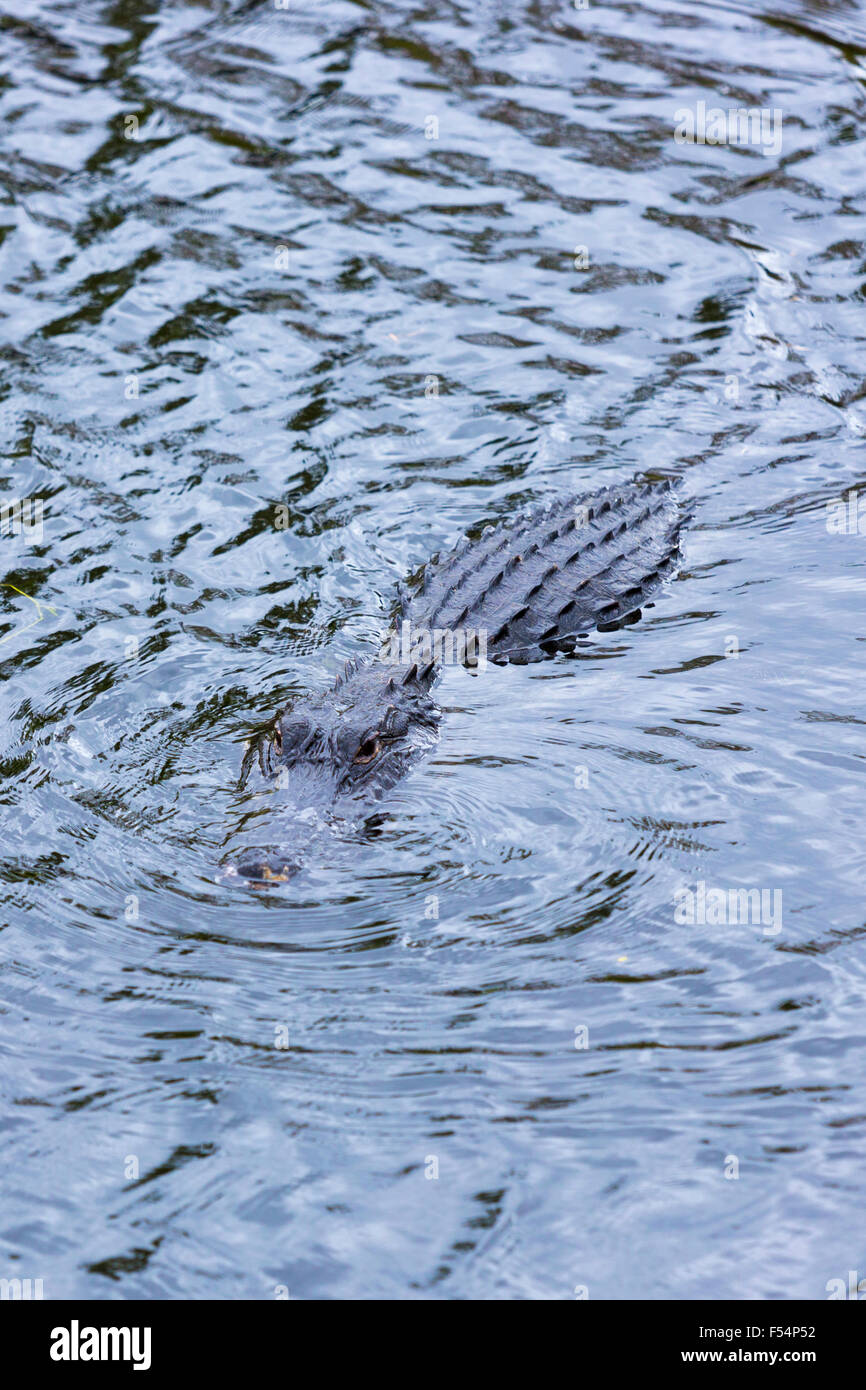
<point x="278" y="739"/>
<point x="370" y="748"/>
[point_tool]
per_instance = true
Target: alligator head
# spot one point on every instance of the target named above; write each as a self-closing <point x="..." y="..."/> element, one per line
<point x="331" y="756"/>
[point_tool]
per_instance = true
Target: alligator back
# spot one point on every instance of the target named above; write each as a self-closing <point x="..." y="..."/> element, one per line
<point x="537" y="583"/>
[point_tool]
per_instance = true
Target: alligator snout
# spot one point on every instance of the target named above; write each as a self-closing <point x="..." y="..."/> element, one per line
<point x="258" y="873"/>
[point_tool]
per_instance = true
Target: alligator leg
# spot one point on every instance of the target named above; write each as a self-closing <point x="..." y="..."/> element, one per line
<point x="536" y="584"/>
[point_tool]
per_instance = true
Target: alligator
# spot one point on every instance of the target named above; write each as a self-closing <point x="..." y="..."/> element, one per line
<point x="524" y="590"/>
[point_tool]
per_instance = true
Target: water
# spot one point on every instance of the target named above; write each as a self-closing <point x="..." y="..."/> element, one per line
<point x="281" y="286"/>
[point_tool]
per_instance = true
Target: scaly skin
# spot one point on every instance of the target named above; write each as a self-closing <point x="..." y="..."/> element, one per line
<point x="522" y="592"/>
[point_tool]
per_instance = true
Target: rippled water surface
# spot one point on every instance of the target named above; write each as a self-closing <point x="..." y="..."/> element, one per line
<point x="290" y="299"/>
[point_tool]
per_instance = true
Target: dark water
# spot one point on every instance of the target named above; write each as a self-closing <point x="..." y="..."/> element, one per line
<point x="253" y="304"/>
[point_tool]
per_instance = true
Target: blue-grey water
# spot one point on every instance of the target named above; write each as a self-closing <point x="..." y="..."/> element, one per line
<point x="291" y="297"/>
